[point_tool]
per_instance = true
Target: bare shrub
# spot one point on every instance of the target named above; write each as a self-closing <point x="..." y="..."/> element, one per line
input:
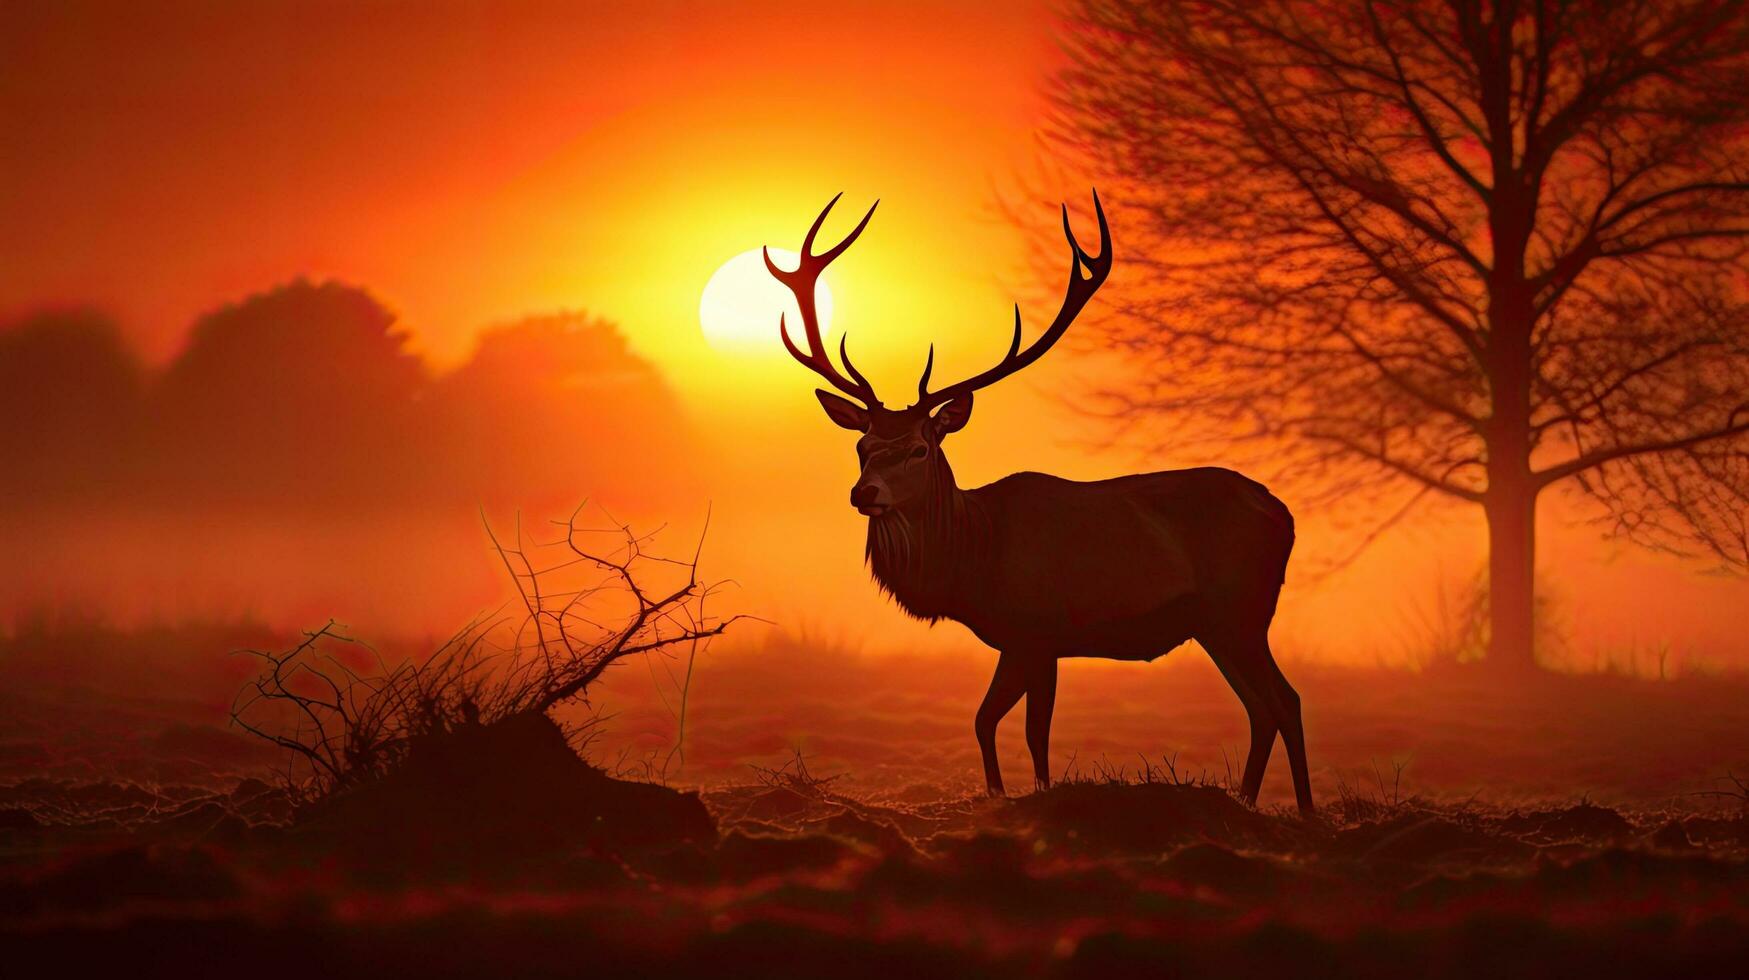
<point x="589" y="598"/>
<point x="1355" y="803"/>
<point x="1167" y="772"/>
<point x="1736" y="792"/>
<point x="795" y="776"/>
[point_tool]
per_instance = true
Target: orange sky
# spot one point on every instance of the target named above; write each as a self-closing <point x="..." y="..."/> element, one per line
<point x="470" y="163"/>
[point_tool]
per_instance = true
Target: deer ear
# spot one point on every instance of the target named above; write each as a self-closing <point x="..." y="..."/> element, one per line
<point x="953" y="416"/>
<point x="843" y="411"/>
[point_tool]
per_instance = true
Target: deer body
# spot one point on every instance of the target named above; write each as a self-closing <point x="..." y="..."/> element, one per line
<point x="1042" y="568"/>
<point x="1124" y="569"/>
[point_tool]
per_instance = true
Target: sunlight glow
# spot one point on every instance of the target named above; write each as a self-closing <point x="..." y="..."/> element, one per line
<point x="741" y="303"/>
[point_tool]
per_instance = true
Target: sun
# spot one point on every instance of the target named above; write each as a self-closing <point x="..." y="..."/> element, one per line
<point x="741" y="304"/>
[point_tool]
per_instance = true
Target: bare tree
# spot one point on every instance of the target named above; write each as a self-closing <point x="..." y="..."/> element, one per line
<point x="1452" y="249"/>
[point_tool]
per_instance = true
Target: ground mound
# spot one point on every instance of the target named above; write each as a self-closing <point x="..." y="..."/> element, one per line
<point x="1109" y="817"/>
<point x="1583" y="822"/>
<point x="486" y="793"/>
<point x="1428" y="839"/>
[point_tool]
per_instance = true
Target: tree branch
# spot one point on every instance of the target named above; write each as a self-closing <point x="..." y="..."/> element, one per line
<point x="1598" y="457"/>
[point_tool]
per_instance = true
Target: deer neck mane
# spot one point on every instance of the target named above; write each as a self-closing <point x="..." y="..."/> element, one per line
<point x="925" y="555"/>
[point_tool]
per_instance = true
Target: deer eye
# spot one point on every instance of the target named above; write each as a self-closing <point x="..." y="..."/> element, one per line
<point x="919" y="452"/>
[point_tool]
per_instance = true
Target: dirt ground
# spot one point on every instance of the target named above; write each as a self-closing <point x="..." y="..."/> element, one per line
<point x="1572" y="826"/>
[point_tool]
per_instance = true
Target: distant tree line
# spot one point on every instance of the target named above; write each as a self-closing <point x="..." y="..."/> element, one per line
<point x="307" y="397"/>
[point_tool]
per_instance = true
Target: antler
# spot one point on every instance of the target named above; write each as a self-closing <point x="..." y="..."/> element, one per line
<point x="801" y="282"/>
<point x="1080" y="290"/>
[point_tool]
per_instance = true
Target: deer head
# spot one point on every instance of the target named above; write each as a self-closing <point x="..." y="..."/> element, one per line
<point x="900" y="450"/>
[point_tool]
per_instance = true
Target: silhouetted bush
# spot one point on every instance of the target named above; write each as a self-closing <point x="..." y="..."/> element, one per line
<point x="71" y="395"/>
<point x="553" y="402"/>
<point x="303" y="392"/>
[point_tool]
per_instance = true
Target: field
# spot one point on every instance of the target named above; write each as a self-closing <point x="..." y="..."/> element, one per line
<point x="1578" y="826"/>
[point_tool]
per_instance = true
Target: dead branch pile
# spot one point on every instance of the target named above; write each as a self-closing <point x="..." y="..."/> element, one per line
<point x="588" y="599"/>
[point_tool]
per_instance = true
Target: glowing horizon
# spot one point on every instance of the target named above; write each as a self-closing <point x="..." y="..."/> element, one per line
<point x="559" y="162"/>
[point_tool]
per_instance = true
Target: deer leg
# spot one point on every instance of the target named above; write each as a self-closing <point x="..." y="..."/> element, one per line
<point x="1293" y="736"/>
<point x="1041" y="699"/>
<point x="1005" y="691"/>
<point x="1237" y="664"/>
<point x="1263" y="732"/>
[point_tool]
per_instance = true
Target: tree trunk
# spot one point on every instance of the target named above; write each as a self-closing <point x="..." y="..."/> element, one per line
<point x="1511" y="510"/>
<point x="1510" y="500"/>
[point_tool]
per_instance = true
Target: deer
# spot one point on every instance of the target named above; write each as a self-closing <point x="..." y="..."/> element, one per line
<point x="1041" y="568"/>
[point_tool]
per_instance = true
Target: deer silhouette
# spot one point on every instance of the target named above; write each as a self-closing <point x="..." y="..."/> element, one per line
<point x="1042" y="568"/>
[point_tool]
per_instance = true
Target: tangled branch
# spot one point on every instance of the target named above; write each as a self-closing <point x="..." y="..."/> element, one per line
<point x="590" y="598"/>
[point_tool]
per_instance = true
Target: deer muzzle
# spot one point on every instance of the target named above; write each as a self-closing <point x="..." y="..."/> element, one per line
<point x="871" y="498"/>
